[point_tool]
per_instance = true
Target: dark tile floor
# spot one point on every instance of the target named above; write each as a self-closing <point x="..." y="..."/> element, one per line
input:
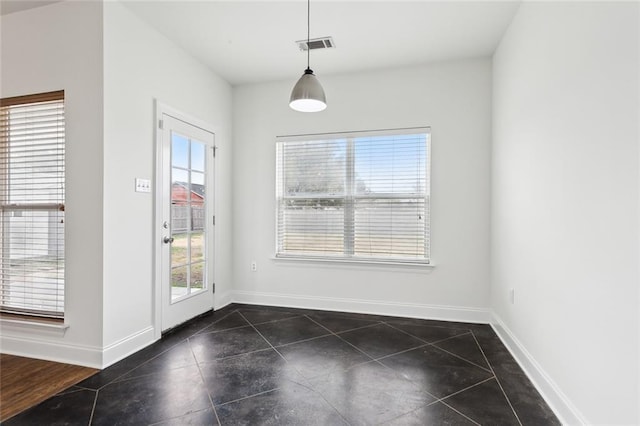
<point x="256" y="365"/>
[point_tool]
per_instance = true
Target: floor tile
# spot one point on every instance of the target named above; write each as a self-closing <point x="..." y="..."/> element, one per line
<point x="380" y="340"/>
<point x="428" y="333"/>
<point x="199" y="418"/>
<point x="322" y="356"/>
<point x="150" y="399"/>
<point x="177" y="357"/>
<point x="526" y="401"/>
<point x="433" y="414"/>
<point x="212" y="346"/>
<point x="124" y="366"/>
<point x="466" y="347"/>
<point x="290" y="330"/>
<point x="70" y="389"/>
<point x="232" y="320"/>
<point x="339" y="323"/>
<point x="370" y="393"/>
<point x="246" y="375"/>
<point x="485" y="404"/>
<point x="436" y="371"/>
<point x="313" y="376"/>
<point x="497" y="354"/>
<point x="73" y="408"/>
<point x="255" y="316"/>
<point x="293" y="404"/>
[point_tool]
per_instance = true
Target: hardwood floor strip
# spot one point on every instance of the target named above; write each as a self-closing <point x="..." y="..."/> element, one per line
<point x="25" y="382"/>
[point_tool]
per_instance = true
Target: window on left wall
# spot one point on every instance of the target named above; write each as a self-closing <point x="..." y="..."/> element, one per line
<point x="32" y="204"/>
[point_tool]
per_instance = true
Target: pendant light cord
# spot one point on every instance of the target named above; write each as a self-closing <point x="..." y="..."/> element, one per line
<point x="308" y="30"/>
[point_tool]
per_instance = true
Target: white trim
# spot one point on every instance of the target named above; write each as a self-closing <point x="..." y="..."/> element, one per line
<point x="124" y="347"/>
<point x="87" y="356"/>
<point x="53" y="328"/>
<point x="352" y="260"/>
<point x="408" y="310"/>
<point x="354" y="134"/>
<point x="223" y="300"/>
<point x="561" y="405"/>
<point x="160" y="110"/>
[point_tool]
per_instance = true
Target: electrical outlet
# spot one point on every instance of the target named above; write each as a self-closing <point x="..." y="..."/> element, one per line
<point x="254" y="266"/>
<point x="143" y="185"/>
<point x="512" y="295"/>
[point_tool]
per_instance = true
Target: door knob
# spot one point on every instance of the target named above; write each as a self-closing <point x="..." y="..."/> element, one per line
<point x="168" y="240"/>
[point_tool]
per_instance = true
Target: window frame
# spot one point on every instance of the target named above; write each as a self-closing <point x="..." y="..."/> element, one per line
<point x="350" y="199"/>
<point x="57" y="207"/>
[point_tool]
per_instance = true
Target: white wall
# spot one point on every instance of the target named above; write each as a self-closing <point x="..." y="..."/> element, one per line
<point x="455" y="100"/>
<point x="141" y="66"/>
<point x="565" y="204"/>
<point x="86" y="48"/>
<point x="52" y="48"/>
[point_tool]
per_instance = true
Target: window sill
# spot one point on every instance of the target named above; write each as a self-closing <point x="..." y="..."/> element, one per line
<point x="29" y="324"/>
<point x="354" y="262"/>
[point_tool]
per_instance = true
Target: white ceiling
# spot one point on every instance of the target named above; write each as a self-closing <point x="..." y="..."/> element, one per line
<point x="254" y="41"/>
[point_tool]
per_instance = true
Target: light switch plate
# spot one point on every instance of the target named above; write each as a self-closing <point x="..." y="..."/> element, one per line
<point x="143" y="185"/>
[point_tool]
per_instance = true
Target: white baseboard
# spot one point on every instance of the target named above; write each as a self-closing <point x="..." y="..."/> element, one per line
<point x="410" y="310"/>
<point x="86" y="356"/>
<point x="127" y="346"/>
<point x="567" y="413"/>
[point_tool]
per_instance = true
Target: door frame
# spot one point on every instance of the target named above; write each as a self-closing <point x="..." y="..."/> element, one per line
<point x="160" y="110"/>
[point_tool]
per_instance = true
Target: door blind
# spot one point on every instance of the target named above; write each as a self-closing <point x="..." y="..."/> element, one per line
<point x="32" y="195"/>
<point x="354" y="196"/>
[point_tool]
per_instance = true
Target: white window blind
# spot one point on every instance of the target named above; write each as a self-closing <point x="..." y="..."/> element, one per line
<point x="32" y="148"/>
<point x="358" y="196"/>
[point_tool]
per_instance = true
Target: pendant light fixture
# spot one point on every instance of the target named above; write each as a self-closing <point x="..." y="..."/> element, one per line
<point x="307" y="95"/>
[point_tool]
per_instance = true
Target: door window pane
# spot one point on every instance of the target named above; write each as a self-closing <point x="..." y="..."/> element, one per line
<point x="197" y="156"/>
<point x="197" y="276"/>
<point x="179" y="282"/>
<point x="197" y="245"/>
<point x="179" y="151"/>
<point x="188" y="211"/>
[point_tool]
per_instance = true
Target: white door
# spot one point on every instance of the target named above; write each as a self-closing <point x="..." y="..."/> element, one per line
<point x="186" y="221"/>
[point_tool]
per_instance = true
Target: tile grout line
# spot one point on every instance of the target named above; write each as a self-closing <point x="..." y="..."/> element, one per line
<point x="424" y="340"/>
<point x="117" y="378"/>
<point x="234" y="356"/>
<point x="465" y="389"/>
<point x="272" y="347"/>
<point x="93" y="409"/>
<point x="459" y="412"/>
<point x="371" y="358"/>
<point x="177" y="417"/>
<point x="464" y="359"/>
<point x="497" y="380"/>
<point x="345" y="341"/>
<point x="429" y="405"/>
<point x="248" y="396"/>
<point x="436" y="342"/>
<point x="377" y="360"/>
<point x="301" y="375"/>
<point x="200" y="333"/>
<point x="260" y="334"/>
<point x="204" y="383"/>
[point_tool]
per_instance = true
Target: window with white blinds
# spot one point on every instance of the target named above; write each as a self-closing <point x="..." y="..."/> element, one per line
<point x="360" y="196"/>
<point x="32" y="147"/>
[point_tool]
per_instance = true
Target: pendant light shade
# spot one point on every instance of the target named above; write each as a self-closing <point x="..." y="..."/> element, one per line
<point x="307" y="95"/>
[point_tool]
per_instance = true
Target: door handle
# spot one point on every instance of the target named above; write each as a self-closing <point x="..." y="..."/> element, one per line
<point x="167" y="240"/>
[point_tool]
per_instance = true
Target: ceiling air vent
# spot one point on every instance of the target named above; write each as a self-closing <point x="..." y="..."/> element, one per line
<point x="316" y="43"/>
